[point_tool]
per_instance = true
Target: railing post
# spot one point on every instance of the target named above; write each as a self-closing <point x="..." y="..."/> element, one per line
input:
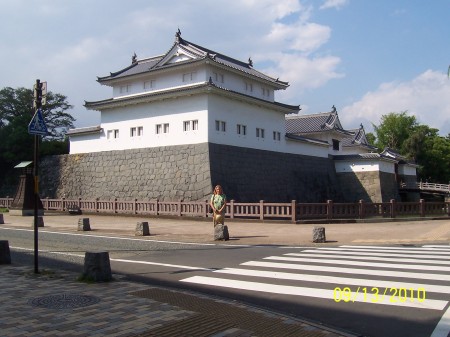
<point x="329" y="209"/>
<point x="179" y="207"/>
<point x="115" y="205"/>
<point x="157" y="206"/>
<point x="135" y="206"/>
<point x="362" y="209"/>
<point x="392" y="208"/>
<point x="97" y="203"/>
<point x="294" y="210"/>
<point x="232" y="209"/>
<point x="63" y="204"/>
<point x="79" y="202"/>
<point x="422" y="207"/>
<point x="261" y="210"/>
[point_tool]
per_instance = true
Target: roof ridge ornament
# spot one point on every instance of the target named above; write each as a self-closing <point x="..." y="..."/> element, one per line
<point x="250" y="62"/>
<point x="134" y="58"/>
<point x="178" y="35"/>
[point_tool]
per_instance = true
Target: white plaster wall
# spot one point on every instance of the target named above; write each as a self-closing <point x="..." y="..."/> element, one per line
<point x="174" y="112"/>
<point x="407" y="170"/>
<point x="364" y="166"/>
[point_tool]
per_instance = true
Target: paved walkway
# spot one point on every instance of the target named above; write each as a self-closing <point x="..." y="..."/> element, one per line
<point x="54" y="303"/>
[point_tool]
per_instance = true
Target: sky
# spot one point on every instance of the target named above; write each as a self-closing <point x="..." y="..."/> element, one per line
<point x="367" y="58"/>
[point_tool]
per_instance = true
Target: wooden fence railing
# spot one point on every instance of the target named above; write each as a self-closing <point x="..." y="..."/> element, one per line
<point x="262" y="210"/>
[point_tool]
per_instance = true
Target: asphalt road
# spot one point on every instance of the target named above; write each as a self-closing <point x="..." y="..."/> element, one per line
<point x="379" y="290"/>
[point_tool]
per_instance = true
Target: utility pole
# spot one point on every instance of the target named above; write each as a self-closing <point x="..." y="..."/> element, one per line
<point x="37" y="127"/>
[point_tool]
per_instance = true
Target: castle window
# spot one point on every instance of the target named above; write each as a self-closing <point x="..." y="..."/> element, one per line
<point x="221" y="126"/>
<point x="276" y="135"/>
<point x="265" y="92"/>
<point x="335" y="145"/>
<point x="241" y="129"/>
<point x="136" y="131"/>
<point x="248" y="87"/>
<point x="125" y="88"/>
<point x="149" y="85"/>
<point x="259" y="133"/>
<point x="218" y="77"/>
<point x="162" y="128"/>
<point x="190" y="125"/>
<point x="189" y="77"/>
<point x="112" y="134"/>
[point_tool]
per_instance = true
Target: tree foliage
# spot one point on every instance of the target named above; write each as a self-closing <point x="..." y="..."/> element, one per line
<point x="16" y="112"/>
<point x="419" y="143"/>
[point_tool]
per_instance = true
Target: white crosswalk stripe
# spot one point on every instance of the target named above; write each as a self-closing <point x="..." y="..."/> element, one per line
<point x="414" y="277"/>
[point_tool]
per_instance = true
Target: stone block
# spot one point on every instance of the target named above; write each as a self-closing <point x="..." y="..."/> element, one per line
<point x="142" y="229"/>
<point x="221" y="233"/>
<point x="97" y="267"/>
<point x="5" y="254"/>
<point x="84" y="224"/>
<point x="319" y="235"/>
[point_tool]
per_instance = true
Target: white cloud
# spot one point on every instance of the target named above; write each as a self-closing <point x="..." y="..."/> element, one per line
<point x="427" y="97"/>
<point x="303" y="37"/>
<point x="338" y="4"/>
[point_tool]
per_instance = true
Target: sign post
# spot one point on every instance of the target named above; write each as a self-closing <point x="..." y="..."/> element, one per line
<point x="37" y="128"/>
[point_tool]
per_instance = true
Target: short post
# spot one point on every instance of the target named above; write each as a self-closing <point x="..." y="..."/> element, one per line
<point x="2" y="220"/>
<point x="294" y="211"/>
<point x="97" y="267"/>
<point x="231" y="209"/>
<point x="261" y="210"/>
<point x="319" y="235"/>
<point x="5" y="254"/>
<point x="422" y="207"/>
<point x="392" y="208"/>
<point x="362" y="209"/>
<point x="142" y="229"/>
<point x="84" y="224"/>
<point x="329" y="209"/>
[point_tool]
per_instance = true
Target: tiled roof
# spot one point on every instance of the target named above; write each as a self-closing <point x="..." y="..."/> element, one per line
<point x="110" y="102"/>
<point x="357" y="137"/>
<point x="363" y="156"/>
<point x="198" y="53"/>
<point x="314" y="123"/>
<point x="84" y="131"/>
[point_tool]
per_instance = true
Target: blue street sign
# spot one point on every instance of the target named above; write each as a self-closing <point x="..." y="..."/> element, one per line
<point x="37" y="125"/>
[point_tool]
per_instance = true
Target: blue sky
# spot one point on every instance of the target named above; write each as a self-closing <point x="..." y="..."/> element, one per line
<point x="368" y="58"/>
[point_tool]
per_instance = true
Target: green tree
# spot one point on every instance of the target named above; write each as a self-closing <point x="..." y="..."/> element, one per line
<point x="394" y="130"/>
<point x="419" y="143"/>
<point x="16" y="111"/>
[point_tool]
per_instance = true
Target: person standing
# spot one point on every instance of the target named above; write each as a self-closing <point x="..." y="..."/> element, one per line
<point x="218" y="203"/>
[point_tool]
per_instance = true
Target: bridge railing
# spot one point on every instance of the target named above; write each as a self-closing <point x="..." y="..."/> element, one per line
<point x="426" y="186"/>
<point x="261" y="210"/>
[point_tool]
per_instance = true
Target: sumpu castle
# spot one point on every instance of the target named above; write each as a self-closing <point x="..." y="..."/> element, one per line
<point x="179" y="123"/>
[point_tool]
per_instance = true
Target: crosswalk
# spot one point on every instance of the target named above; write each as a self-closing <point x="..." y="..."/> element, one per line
<point x="414" y="277"/>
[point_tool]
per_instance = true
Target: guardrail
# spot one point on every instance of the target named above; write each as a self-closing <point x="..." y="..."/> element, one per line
<point x="426" y="187"/>
<point x="262" y="210"/>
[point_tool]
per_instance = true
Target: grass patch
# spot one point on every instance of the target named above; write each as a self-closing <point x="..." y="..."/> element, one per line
<point x="4" y="210"/>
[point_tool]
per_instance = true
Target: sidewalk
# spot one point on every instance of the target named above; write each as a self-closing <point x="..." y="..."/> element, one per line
<point x="54" y="303"/>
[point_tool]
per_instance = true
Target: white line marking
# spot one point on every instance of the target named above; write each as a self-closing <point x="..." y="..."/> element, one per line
<point x="368" y="258"/>
<point x="163" y="264"/>
<point x="428" y="257"/>
<point x="337" y="280"/>
<point x="442" y="329"/>
<point x="438" y="246"/>
<point x="420" y="276"/>
<point x="410" y="249"/>
<point x="130" y="239"/>
<point x="307" y="292"/>
<point x="387" y="250"/>
<point x="358" y="263"/>
<point x="123" y="260"/>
